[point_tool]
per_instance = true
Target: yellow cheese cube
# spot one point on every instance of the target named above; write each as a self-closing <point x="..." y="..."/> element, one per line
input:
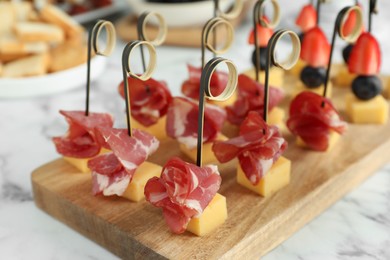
<point x="82" y="163"/>
<point x="373" y="111"/>
<point x="157" y="130"/>
<point x="276" y="76"/>
<point x="146" y="171"/>
<point x="230" y="101"/>
<point x="213" y="216"/>
<point x="207" y="155"/>
<point x="333" y="138"/>
<point x="275" y="179"/>
<point x="343" y="77"/>
<point x="276" y="117"/>
<point x="320" y="90"/>
<point x="296" y="70"/>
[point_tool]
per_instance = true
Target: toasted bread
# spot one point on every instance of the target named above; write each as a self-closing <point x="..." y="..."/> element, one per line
<point x="30" y="66"/>
<point x="8" y="17"/>
<point x="66" y="56"/>
<point x="10" y="44"/>
<point x="38" y="32"/>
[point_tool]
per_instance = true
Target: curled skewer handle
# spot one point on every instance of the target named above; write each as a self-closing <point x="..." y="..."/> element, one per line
<point x="93" y="43"/>
<point x="205" y="92"/>
<point x="372" y="10"/>
<point x="272" y="60"/>
<point x="234" y="12"/>
<point x="126" y="69"/>
<point x="258" y="12"/>
<point x="208" y="28"/>
<point x="352" y="37"/>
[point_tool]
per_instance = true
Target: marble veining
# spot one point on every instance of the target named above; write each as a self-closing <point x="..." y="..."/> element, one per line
<point x="356" y="227"/>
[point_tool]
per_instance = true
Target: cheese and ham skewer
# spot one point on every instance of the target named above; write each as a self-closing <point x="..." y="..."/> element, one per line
<point x="112" y="172"/>
<point x="250" y="97"/>
<point x="150" y="99"/>
<point x="257" y="147"/>
<point x="182" y="120"/>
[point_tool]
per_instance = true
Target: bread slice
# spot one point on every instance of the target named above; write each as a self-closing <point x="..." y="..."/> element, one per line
<point x="30" y="66"/>
<point x="22" y="10"/>
<point x="7" y="17"/>
<point x="38" y="32"/>
<point x="54" y="15"/>
<point x="9" y="44"/>
<point x="7" y="57"/>
<point x="67" y="55"/>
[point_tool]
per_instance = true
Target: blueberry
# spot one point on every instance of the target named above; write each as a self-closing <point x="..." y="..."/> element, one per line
<point x="366" y="87"/>
<point x="313" y="77"/>
<point x="347" y="52"/>
<point x="263" y="57"/>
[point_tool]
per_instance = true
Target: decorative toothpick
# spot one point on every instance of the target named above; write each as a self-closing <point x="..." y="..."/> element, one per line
<point x="142" y="35"/>
<point x="126" y="69"/>
<point x="205" y="92"/>
<point x="352" y="37"/>
<point x="93" y="43"/>
<point x="258" y="12"/>
<point x="209" y="27"/>
<point x="372" y="10"/>
<point x="271" y="60"/>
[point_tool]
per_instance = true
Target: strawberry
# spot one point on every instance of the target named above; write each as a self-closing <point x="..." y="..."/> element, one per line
<point x="307" y="18"/>
<point x="350" y="22"/>
<point x="263" y="34"/>
<point x="365" y="59"/>
<point x="315" y="48"/>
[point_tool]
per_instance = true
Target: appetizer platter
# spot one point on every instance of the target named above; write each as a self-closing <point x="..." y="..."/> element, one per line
<point x="206" y="188"/>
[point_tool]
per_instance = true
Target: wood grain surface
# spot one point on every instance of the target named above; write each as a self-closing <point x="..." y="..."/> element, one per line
<point x="254" y="226"/>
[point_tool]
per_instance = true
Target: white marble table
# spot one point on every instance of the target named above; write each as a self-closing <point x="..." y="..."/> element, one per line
<point x="356" y="227"/>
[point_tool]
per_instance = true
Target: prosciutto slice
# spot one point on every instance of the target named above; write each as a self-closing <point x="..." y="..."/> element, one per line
<point x="183" y="191"/>
<point x="182" y="121"/>
<point x="149" y="99"/>
<point x="312" y="122"/>
<point x="257" y="147"/>
<point x="190" y="87"/>
<point x="112" y="172"/>
<point x="251" y="98"/>
<point x="80" y="141"/>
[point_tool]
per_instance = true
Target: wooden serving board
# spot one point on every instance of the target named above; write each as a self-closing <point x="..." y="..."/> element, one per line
<point x="254" y="226"/>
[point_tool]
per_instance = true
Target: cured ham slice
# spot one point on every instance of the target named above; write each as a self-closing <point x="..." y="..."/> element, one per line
<point x="315" y="48"/>
<point x="257" y="147"/>
<point x="112" y="172"/>
<point x="150" y="99"/>
<point x="263" y="34"/>
<point x="182" y="121"/>
<point x="183" y="191"/>
<point x="80" y="141"/>
<point x="312" y="122"/>
<point x="251" y="98"/>
<point x="190" y="87"/>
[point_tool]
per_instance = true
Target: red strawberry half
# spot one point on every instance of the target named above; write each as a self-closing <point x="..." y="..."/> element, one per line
<point x="307" y="18"/>
<point x="315" y="48"/>
<point x="350" y="22"/>
<point x="263" y="34"/>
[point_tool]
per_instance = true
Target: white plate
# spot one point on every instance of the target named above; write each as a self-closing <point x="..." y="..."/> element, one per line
<point x="51" y="83"/>
<point x="181" y="14"/>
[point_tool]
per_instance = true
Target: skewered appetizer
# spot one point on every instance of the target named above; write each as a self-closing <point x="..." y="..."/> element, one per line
<point x="150" y="100"/>
<point x="315" y="122"/>
<point x="258" y="147"/>
<point x="306" y="20"/>
<point x="315" y="53"/>
<point x="182" y="125"/>
<point x="188" y="197"/>
<point x="366" y="105"/>
<point x="80" y="143"/>
<point x="251" y="98"/>
<point x="190" y="87"/>
<point x="124" y="171"/>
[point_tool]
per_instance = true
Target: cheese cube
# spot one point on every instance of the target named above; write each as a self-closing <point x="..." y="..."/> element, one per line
<point x="343" y="77"/>
<point x="373" y="111"/>
<point x="275" y="179"/>
<point x="157" y="130"/>
<point x="333" y="138"/>
<point x="207" y="155"/>
<point x="297" y="69"/>
<point x="146" y="171"/>
<point x="276" y="117"/>
<point x="320" y="90"/>
<point x="82" y="163"/>
<point x="276" y="76"/>
<point x="213" y="216"/>
<point x="230" y="101"/>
